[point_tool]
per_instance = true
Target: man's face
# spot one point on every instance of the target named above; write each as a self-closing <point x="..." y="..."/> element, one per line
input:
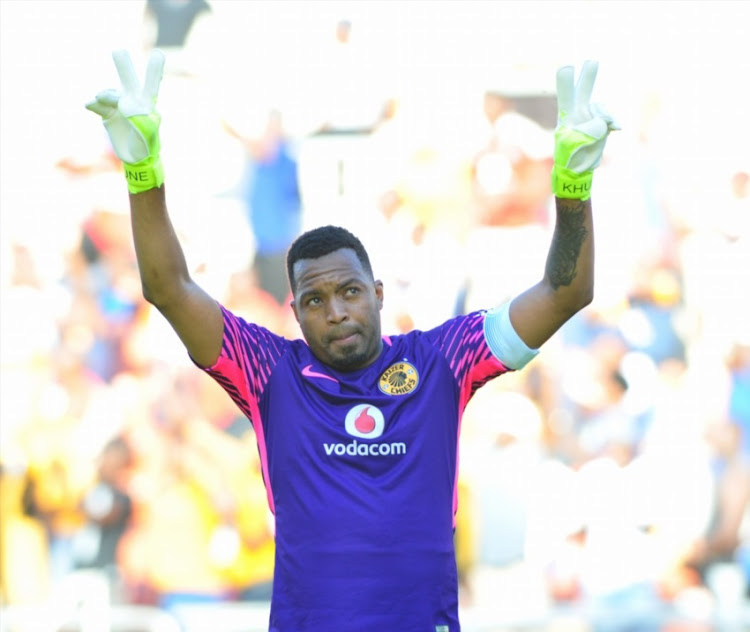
<point x="337" y="305"/>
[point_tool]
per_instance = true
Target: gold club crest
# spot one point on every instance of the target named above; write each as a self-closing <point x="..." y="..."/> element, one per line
<point x="399" y="379"/>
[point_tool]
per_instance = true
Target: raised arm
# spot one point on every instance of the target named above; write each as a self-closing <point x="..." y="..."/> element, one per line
<point x="132" y="123"/>
<point x="166" y="282"/>
<point x="568" y="282"/>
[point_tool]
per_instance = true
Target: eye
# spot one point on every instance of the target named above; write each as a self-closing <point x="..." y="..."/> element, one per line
<point x="313" y="301"/>
<point x="352" y="291"/>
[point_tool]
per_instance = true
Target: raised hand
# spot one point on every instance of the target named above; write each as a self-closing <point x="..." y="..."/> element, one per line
<point x="132" y="122"/>
<point x="581" y="133"/>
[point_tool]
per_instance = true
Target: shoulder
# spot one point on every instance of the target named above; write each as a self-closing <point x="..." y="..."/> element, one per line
<point x="462" y="332"/>
<point x="459" y="326"/>
<point x="239" y="332"/>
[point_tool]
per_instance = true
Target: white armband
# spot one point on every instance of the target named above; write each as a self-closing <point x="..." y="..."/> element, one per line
<point x="506" y="345"/>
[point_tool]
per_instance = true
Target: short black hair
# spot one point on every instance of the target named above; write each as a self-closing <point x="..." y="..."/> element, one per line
<point x="322" y="241"/>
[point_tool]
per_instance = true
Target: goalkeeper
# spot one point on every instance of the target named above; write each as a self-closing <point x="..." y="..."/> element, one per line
<point x="358" y="431"/>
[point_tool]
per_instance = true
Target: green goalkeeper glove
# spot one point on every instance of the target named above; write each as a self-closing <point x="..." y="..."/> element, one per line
<point x="132" y="122"/>
<point x="580" y="135"/>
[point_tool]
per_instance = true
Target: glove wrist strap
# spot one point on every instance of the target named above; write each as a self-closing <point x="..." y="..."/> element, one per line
<point x="571" y="185"/>
<point x="145" y="175"/>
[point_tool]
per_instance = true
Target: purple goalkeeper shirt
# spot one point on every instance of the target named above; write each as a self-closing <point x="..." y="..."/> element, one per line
<point x="360" y="471"/>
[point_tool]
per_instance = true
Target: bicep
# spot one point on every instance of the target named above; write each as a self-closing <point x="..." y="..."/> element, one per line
<point x="198" y="321"/>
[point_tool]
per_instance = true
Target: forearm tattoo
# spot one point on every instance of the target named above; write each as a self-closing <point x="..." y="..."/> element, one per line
<point x="570" y="233"/>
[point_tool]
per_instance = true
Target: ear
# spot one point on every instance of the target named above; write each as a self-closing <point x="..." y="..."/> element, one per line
<point x="379" y="293"/>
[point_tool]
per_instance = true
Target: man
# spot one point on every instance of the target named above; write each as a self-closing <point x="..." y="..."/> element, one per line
<point x="357" y="431"/>
<point x="273" y="201"/>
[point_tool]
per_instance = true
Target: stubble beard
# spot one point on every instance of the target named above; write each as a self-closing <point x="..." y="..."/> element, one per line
<point x="355" y="359"/>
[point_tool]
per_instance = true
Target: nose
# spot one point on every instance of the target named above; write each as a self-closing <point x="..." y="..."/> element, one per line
<point x="337" y="312"/>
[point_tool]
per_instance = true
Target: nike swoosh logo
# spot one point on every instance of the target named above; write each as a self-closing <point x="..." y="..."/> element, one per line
<point x="308" y="372"/>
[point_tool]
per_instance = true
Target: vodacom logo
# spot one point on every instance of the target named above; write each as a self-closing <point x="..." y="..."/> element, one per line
<point x="365" y="421"/>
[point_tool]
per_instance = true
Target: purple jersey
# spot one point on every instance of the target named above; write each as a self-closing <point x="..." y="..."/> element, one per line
<point x="360" y="471"/>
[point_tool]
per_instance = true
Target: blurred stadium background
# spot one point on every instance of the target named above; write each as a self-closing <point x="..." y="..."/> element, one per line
<point x="604" y="487"/>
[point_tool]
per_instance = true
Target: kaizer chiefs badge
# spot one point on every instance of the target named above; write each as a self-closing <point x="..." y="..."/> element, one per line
<point x="399" y="379"/>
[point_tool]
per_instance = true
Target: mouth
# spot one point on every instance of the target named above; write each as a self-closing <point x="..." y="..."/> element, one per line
<point x="343" y="338"/>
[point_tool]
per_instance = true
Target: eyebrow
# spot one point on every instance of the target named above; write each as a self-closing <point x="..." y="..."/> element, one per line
<point x="351" y="281"/>
<point x="305" y="294"/>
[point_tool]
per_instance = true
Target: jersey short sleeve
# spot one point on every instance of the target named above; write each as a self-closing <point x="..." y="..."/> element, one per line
<point x="248" y="355"/>
<point x="463" y="342"/>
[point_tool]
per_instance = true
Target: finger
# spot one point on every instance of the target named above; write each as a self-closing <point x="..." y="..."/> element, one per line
<point x="598" y="110"/>
<point x="565" y="90"/>
<point x="97" y="107"/>
<point x="108" y="97"/>
<point x="154" y="72"/>
<point x="126" y="70"/>
<point x="585" y="85"/>
<point x="595" y="127"/>
<point x="105" y="103"/>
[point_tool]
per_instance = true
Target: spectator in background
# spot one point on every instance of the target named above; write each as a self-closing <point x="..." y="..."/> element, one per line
<point x="201" y="531"/>
<point x="651" y="322"/>
<point x="344" y="83"/>
<point x="511" y="186"/>
<point x="739" y="396"/>
<point x="105" y="292"/>
<point x="108" y="509"/>
<point x="717" y="246"/>
<point x="24" y="576"/>
<point x="52" y="497"/>
<point x="250" y="570"/>
<point x="511" y="192"/>
<point x="185" y="30"/>
<point x="724" y="543"/>
<point x="174" y="20"/>
<point x="168" y="554"/>
<point x="352" y="95"/>
<point x="272" y="199"/>
<point x="502" y="456"/>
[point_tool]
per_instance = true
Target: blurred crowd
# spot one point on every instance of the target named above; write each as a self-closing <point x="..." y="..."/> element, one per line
<point x="613" y="473"/>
